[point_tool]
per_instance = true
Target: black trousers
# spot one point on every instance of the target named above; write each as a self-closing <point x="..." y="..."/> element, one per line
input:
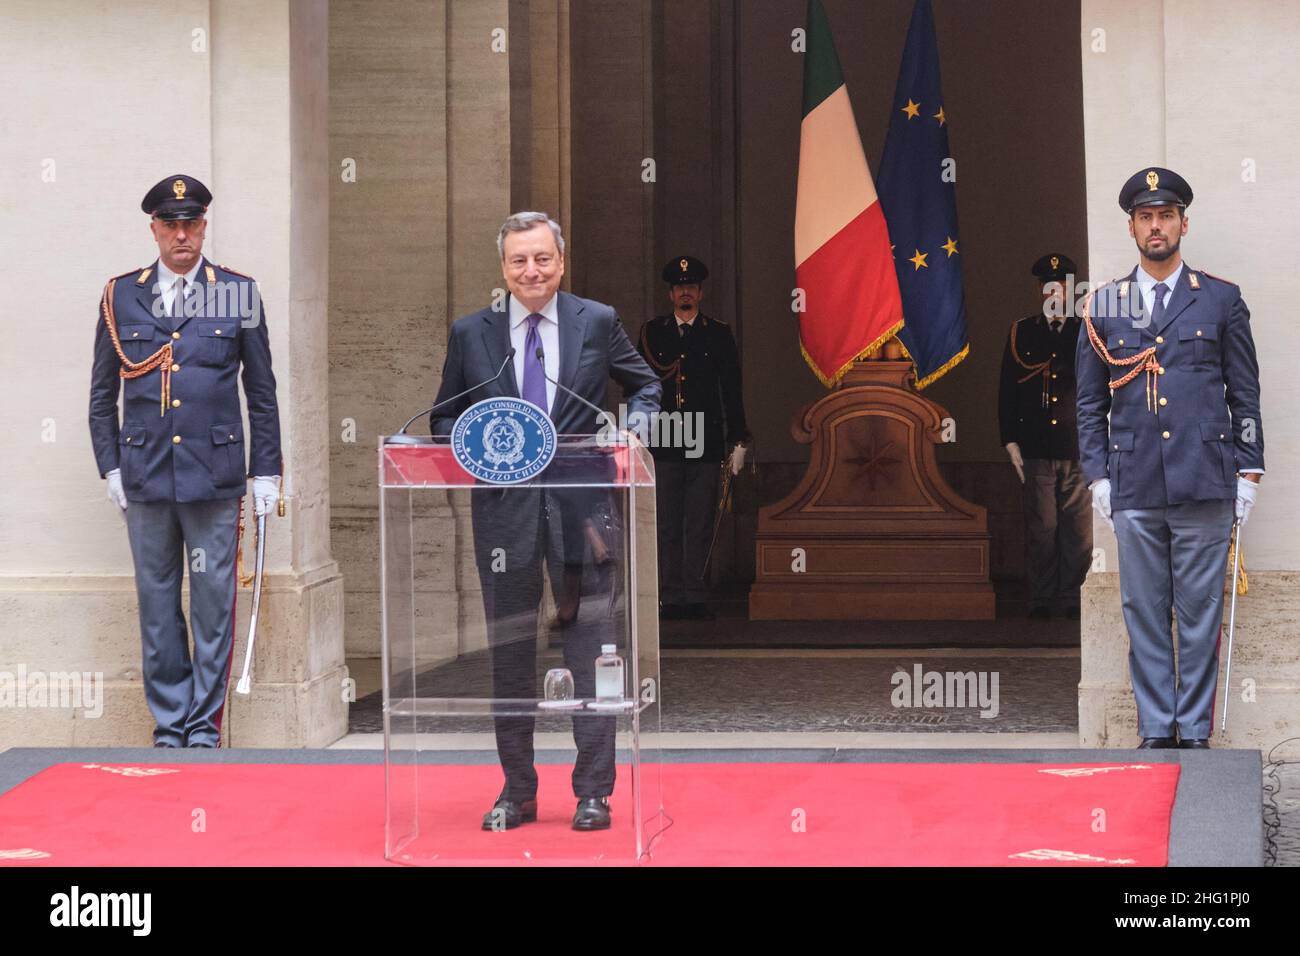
<point x="527" y="528"/>
<point x="686" y="496"/>
<point x="1058" y="531"/>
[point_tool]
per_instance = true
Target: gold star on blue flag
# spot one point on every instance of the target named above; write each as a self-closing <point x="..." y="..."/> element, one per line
<point x="920" y="206"/>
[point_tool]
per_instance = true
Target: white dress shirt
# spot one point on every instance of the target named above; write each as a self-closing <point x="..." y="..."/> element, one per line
<point x="1147" y="286"/>
<point x="549" y="330"/>
<point x="167" y="281"/>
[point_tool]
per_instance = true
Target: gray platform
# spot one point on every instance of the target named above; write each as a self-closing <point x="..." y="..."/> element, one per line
<point x="1217" y="819"/>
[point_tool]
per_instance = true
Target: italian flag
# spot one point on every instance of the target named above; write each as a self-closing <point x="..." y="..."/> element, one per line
<point x="842" y="257"/>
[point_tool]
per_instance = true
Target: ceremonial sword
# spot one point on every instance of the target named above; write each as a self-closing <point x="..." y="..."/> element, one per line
<point x="245" y="683"/>
<point x="1232" y="618"/>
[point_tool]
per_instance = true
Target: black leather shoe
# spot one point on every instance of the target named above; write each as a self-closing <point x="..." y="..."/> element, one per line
<point x="1157" y="743"/>
<point x="508" y="814"/>
<point x="1196" y="743"/>
<point x="592" y="814"/>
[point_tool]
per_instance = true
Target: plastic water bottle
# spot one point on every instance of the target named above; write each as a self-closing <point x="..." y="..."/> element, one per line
<point x="609" y="675"/>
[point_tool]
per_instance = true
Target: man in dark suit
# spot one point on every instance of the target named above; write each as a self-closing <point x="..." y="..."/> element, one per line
<point x="173" y="338"/>
<point x="582" y="345"/>
<point x="1036" y="418"/>
<point x="1168" y="353"/>
<point x="695" y="356"/>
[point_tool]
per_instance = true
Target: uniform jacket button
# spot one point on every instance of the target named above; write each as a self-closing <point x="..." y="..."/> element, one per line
<point x="176" y="335"/>
<point x="176" y="439"/>
<point x="175" y="368"/>
<point x="1164" y="434"/>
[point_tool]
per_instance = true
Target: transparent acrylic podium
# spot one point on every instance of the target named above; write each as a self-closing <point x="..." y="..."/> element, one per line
<point x="487" y="592"/>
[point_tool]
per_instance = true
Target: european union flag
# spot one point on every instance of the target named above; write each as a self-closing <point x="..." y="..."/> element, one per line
<point x="918" y="196"/>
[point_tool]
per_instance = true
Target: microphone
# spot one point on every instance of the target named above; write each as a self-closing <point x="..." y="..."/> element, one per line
<point x="401" y="438"/>
<point x="600" y="412"/>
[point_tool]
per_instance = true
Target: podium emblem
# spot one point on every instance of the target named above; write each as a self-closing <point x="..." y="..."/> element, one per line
<point x="503" y="440"/>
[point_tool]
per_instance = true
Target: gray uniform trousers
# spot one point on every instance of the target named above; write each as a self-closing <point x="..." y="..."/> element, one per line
<point x="1058" y="531"/>
<point x="1174" y="557"/>
<point x="686" y="496"/>
<point x="187" y="697"/>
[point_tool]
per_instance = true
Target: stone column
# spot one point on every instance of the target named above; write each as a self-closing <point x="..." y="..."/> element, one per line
<point x="421" y="105"/>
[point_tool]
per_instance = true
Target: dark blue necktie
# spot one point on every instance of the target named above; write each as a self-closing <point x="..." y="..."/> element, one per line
<point x="178" y="303"/>
<point x="1158" y="306"/>
<point x="534" y="389"/>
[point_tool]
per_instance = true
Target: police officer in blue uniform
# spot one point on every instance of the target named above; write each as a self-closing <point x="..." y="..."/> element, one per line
<point x="172" y="338"/>
<point x="1167" y="351"/>
<point x="1036" y="418"/>
<point x="695" y="357"/>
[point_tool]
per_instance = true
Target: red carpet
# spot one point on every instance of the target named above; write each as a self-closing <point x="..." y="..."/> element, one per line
<point x="723" y="814"/>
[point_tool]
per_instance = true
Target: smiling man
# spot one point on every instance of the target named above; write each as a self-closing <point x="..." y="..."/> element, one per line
<point x="1168" y="353"/>
<point x="173" y="337"/>
<point x="556" y="337"/>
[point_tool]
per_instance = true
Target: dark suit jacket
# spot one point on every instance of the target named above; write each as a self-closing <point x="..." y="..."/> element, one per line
<point x="709" y="367"/>
<point x="1042" y="429"/>
<point x="593" y="349"/>
<point x="227" y="333"/>
<point x="1190" y="447"/>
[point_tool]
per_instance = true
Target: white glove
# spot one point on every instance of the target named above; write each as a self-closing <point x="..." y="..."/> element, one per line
<point x="265" y="490"/>
<point x="1017" y="462"/>
<point x="1101" y="500"/>
<point x="1246" y="490"/>
<point x="115" y="492"/>
<point x="737" y="459"/>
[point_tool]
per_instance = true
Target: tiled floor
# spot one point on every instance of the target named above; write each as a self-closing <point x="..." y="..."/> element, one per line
<point x="793" y="691"/>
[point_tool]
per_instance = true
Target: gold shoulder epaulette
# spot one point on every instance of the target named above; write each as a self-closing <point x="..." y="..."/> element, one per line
<point x="144" y="274"/>
<point x="236" y="272"/>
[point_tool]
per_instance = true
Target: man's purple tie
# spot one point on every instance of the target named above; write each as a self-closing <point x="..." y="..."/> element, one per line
<point x="534" y="371"/>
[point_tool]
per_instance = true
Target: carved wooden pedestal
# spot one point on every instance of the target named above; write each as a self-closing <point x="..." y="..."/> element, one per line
<point x="872" y="531"/>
